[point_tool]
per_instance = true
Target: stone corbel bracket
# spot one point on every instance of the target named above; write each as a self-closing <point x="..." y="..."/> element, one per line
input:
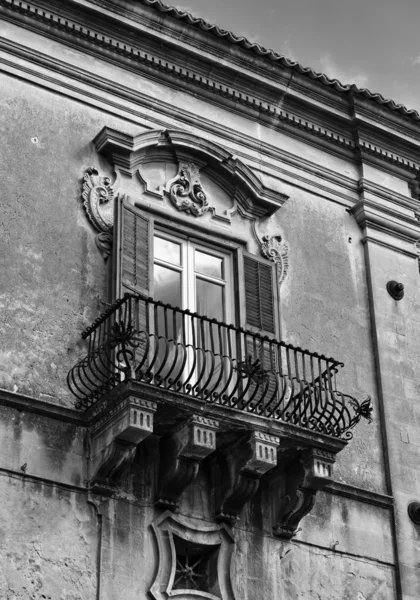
<point x="180" y="455"/>
<point x="237" y="471"/>
<point x="114" y="440"/>
<point x="311" y="473"/>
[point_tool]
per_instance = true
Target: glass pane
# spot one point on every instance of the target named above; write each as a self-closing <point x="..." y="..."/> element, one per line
<point x="167" y="344"/>
<point x="208" y="264"/>
<point x="167" y="250"/>
<point x="213" y="349"/>
<point x="167" y="285"/>
<point x="210" y="299"/>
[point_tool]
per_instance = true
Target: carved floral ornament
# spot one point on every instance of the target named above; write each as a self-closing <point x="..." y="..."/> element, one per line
<point x="186" y="192"/>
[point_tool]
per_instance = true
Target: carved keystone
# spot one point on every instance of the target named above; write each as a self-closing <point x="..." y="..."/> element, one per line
<point x="180" y="455"/>
<point x="303" y="479"/>
<point x="237" y="472"/>
<point x="114" y="440"/>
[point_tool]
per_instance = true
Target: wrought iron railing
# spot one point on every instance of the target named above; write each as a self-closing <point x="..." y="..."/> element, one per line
<point x="144" y="340"/>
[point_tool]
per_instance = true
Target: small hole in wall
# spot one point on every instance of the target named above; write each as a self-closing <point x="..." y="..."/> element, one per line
<point x="349" y="239"/>
<point x="35" y="140"/>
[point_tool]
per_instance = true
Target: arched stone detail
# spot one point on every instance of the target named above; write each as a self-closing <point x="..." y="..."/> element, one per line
<point x="210" y="548"/>
<point x="170" y="169"/>
<point x="128" y="153"/>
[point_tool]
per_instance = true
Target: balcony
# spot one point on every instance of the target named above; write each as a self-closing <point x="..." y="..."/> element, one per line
<point x="141" y="340"/>
<point x="254" y="407"/>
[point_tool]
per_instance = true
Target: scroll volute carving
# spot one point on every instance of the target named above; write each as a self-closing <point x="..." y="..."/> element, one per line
<point x="311" y="472"/>
<point x="237" y="470"/>
<point x="114" y="438"/>
<point x="186" y="191"/>
<point x="275" y="249"/>
<point x="98" y="200"/>
<point x="180" y="455"/>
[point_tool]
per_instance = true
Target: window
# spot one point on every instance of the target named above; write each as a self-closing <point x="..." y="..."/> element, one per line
<point x="193" y="276"/>
<point x="200" y="296"/>
<point x="233" y="287"/>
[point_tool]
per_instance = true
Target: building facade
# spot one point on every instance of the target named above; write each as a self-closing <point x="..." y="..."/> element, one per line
<point x="192" y="226"/>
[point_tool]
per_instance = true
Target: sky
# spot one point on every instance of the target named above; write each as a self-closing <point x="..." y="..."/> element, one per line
<point x="372" y="43"/>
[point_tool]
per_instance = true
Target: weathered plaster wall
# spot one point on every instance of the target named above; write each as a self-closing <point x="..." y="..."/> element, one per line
<point x="48" y="542"/>
<point x="325" y="308"/>
<point x="46" y="447"/>
<point x="53" y="274"/>
<point x="52" y="532"/>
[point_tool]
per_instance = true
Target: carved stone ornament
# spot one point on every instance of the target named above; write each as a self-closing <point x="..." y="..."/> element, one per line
<point x="181" y="453"/>
<point x="114" y="440"/>
<point x="273" y="248"/>
<point x="303" y="479"/>
<point x="237" y="472"/>
<point x="194" y="560"/>
<point x="104" y="243"/>
<point x="98" y="200"/>
<point x="186" y="192"/>
<point x="414" y="186"/>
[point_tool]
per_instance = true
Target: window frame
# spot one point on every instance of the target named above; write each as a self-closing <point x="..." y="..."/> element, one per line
<point x="189" y="274"/>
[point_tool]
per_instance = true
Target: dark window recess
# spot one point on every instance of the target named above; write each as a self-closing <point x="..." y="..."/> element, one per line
<point x="196" y="566"/>
<point x="259" y="294"/>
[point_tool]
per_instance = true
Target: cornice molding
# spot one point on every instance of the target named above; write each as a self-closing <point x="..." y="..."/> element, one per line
<point x="359" y="494"/>
<point x="110" y="47"/>
<point x="282" y="159"/>
<point x="368" y="149"/>
<point x="373" y="216"/>
<point x="24" y="403"/>
<point x="369" y="239"/>
<point x="365" y="186"/>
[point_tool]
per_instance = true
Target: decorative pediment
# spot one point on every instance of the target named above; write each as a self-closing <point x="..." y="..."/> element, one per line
<point x="170" y="170"/>
<point x="193" y="159"/>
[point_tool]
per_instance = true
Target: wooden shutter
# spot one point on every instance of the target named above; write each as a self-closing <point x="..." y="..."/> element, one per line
<point x="133" y="240"/>
<point x="261" y="316"/>
<point x="260" y="280"/>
